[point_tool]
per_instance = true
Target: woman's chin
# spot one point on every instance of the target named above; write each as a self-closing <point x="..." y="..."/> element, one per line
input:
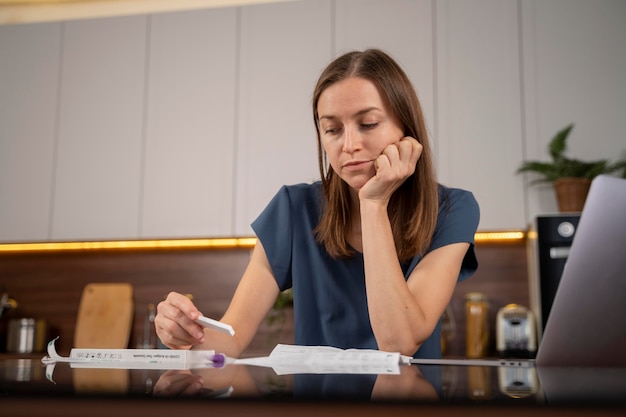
<point x="357" y="179"/>
<point x="357" y="183"/>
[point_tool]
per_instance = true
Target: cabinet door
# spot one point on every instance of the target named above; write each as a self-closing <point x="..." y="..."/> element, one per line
<point x="98" y="175"/>
<point x="29" y="75"/>
<point x="478" y="113"/>
<point x="402" y="28"/>
<point x="284" y="47"/>
<point x="189" y="156"/>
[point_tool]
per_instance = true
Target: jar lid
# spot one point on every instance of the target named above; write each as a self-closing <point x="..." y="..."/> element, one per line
<point x="475" y="296"/>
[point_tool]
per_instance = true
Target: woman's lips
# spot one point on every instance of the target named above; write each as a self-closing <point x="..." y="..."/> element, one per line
<point x="355" y="165"/>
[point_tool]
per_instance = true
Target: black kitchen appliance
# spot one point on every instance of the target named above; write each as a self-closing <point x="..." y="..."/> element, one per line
<point x="549" y="242"/>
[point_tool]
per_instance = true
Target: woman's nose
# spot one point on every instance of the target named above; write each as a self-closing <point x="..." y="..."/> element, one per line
<point x="351" y="140"/>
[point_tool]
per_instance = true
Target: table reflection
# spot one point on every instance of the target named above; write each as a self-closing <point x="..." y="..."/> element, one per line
<point x="238" y="381"/>
<point x="432" y="384"/>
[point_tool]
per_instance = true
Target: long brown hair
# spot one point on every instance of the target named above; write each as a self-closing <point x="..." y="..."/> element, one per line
<point x="413" y="207"/>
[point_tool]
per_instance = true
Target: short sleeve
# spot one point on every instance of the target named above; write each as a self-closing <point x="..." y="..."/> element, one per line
<point x="273" y="228"/>
<point x="458" y="219"/>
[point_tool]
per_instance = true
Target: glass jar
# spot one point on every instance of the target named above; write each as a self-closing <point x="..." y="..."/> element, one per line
<point x="477" y="324"/>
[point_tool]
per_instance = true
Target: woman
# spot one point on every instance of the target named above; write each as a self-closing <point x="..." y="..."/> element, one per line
<point x="373" y="251"/>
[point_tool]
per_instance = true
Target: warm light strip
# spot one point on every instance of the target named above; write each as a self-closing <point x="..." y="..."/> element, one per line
<point x="214" y="243"/>
<point x="510" y="236"/>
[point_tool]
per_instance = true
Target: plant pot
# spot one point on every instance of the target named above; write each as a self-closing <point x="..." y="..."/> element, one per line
<point x="571" y="193"/>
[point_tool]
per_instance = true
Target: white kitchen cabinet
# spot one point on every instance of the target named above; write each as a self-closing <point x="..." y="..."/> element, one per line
<point x="284" y="48"/>
<point x="100" y="115"/>
<point x="478" y="114"/>
<point x="190" y="124"/>
<point x="29" y="73"/>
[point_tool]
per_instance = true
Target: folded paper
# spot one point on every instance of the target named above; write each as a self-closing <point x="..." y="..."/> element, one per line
<point x="294" y="359"/>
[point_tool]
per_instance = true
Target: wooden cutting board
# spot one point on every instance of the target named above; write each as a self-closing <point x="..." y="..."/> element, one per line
<point x="105" y="316"/>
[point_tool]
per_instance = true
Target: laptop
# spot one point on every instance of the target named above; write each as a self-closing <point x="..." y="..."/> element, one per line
<point x="586" y="323"/>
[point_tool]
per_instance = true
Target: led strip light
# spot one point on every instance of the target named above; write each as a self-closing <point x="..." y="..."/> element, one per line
<point x="513" y="236"/>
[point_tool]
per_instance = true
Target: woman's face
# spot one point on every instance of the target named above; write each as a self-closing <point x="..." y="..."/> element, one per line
<point x="355" y="126"/>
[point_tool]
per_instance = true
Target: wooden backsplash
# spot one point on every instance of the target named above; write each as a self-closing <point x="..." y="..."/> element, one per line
<point x="48" y="285"/>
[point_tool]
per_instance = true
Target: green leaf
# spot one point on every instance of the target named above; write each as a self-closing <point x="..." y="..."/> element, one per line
<point x="546" y="169"/>
<point x="558" y="144"/>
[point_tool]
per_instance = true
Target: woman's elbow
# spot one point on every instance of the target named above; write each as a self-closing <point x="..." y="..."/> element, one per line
<point x="406" y="347"/>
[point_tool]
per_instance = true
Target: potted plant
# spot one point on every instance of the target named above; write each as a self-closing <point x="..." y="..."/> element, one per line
<point x="571" y="178"/>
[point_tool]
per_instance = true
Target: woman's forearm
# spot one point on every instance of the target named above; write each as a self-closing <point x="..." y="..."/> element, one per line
<point x="395" y="314"/>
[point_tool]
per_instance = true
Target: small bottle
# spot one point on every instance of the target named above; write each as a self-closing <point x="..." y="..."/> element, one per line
<point x="477" y="324"/>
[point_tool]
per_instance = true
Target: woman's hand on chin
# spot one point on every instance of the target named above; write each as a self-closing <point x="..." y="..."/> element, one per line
<point x="394" y="165"/>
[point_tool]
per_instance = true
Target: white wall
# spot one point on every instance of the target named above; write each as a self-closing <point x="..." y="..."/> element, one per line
<point x="185" y="124"/>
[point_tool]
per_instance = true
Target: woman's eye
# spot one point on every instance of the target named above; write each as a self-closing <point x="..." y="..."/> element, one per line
<point x="331" y="130"/>
<point x="369" y="125"/>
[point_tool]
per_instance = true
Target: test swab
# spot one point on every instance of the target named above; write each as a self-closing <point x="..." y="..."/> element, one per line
<point x="215" y="325"/>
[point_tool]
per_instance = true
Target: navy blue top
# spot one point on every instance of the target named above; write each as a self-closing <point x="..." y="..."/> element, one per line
<point x="330" y="304"/>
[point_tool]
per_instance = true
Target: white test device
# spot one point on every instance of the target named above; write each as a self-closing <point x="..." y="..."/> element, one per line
<point x="215" y="325"/>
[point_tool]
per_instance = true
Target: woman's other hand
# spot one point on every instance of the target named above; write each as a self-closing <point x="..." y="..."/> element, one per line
<point x="178" y="383"/>
<point x="175" y="322"/>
